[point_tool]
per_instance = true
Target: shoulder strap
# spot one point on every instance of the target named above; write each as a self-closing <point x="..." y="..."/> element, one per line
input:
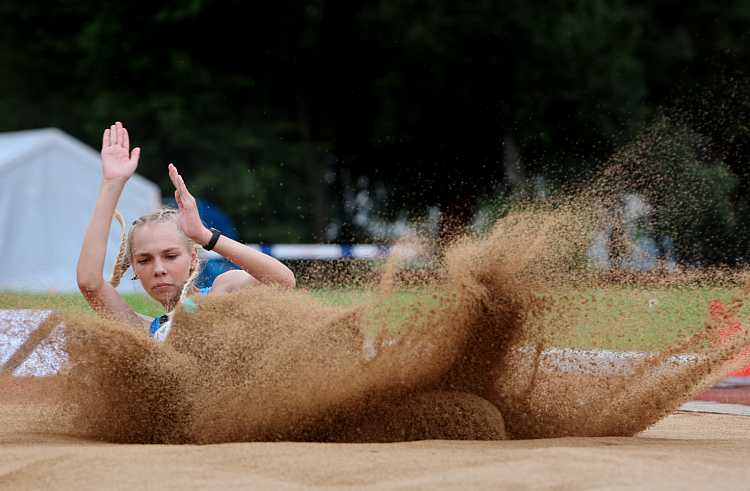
<point x="156" y="324"/>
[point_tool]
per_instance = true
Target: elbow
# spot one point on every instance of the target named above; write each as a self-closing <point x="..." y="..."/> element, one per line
<point x="85" y="285"/>
<point x="88" y="282"/>
<point x="288" y="280"/>
<point x="292" y="281"/>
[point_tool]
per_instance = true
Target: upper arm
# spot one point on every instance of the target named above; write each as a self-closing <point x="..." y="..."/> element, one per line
<point x="108" y="304"/>
<point x="233" y="280"/>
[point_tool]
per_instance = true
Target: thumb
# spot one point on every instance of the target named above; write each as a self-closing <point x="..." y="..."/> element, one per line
<point x="135" y="155"/>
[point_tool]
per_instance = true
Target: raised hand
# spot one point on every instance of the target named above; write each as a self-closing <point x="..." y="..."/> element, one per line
<point x="118" y="163"/>
<point x="190" y="219"/>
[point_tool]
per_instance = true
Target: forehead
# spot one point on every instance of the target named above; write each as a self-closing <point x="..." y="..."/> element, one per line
<point x="156" y="237"/>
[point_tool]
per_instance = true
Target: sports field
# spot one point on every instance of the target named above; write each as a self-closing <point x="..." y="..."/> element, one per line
<point x="618" y="318"/>
<point x="685" y="450"/>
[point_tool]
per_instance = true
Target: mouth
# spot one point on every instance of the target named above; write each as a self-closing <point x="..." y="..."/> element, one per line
<point x="160" y="287"/>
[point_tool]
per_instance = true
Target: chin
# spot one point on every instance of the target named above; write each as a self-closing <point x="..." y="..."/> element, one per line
<point x="167" y="297"/>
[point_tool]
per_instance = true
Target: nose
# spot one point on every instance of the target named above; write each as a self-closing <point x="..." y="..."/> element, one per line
<point x="159" y="269"/>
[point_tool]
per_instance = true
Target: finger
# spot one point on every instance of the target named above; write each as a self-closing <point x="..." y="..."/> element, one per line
<point x="119" y="133"/>
<point x="105" y="139"/>
<point x="135" y="155"/>
<point x="185" y="193"/>
<point x="125" y="139"/>
<point x="113" y="135"/>
<point x="180" y="191"/>
<point x="177" y="180"/>
<point x="180" y="202"/>
<point x="183" y="186"/>
<point x="173" y="176"/>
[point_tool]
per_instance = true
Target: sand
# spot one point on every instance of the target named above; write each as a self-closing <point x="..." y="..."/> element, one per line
<point x="469" y="357"/>
<point x="460" y="381"/>
<point x="682" y="451"/>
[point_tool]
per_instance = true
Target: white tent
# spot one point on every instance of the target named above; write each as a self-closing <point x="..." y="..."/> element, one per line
<point x="49" y="182"/>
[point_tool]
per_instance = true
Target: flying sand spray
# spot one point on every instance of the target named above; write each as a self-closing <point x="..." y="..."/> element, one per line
<point x="487" y="348"/>
<point x="464" y="357"/>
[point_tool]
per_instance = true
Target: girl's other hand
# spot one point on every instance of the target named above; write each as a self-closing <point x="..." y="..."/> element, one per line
<point x="118" y="163"/>
<point x="190" y="219"/>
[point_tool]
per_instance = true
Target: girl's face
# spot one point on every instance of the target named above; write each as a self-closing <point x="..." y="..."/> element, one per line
<point x="162" y="261"/>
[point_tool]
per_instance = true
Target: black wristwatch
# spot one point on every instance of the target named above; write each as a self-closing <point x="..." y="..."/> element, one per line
<point x="213" y="241"/>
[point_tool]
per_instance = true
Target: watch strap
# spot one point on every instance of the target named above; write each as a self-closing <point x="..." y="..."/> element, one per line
<point x="213" y="241"/>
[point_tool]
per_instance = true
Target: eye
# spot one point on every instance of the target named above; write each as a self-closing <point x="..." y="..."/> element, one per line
<point x="143" y="261"/>
<point x="172" y="256"/>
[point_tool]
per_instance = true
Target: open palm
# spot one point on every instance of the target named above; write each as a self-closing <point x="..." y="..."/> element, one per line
<point x="190" y="219"/>
<point x="118" y="163"/>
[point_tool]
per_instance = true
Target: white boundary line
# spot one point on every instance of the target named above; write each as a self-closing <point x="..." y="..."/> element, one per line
<point x="715" y="408"/>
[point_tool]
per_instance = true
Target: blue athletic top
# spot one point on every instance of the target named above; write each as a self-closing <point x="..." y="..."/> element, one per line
<point x="157" y="322"/>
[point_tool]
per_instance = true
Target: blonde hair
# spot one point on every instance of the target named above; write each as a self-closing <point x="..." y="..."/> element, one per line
<point x="124" y="259"/>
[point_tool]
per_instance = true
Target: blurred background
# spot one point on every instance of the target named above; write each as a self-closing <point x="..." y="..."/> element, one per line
<point x="329" y="121"/>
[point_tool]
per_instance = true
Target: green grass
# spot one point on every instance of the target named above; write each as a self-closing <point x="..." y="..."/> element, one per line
<point x="611" y="318"/>
<point x="633" y="318"/>
<point x="73" y="303"/>
<point x="339" y="296"/>
<point x="625" y="318"/>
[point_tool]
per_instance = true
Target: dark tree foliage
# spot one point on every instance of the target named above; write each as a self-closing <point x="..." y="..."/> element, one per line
<point x="273" y="111"/>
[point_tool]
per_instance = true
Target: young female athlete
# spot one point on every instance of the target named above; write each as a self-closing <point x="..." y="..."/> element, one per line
<point x="161" y="247"/>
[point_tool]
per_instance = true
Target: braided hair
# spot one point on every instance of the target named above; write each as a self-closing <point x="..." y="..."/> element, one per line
<point x="122" y="263"/>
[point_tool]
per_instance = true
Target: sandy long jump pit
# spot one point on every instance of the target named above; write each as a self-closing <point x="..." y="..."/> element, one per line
<point x="471" y="382"/>
<point x="682" y="451"/>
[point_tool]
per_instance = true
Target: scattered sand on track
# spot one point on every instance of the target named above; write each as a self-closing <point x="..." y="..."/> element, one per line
<point x="461" y="357"/>
<point x="465" y="352"/>
<point x="682" y="451"/>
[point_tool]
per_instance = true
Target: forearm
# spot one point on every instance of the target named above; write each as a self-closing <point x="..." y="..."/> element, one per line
<point x="262" y="267"/>
<point x="93" y="252"/>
